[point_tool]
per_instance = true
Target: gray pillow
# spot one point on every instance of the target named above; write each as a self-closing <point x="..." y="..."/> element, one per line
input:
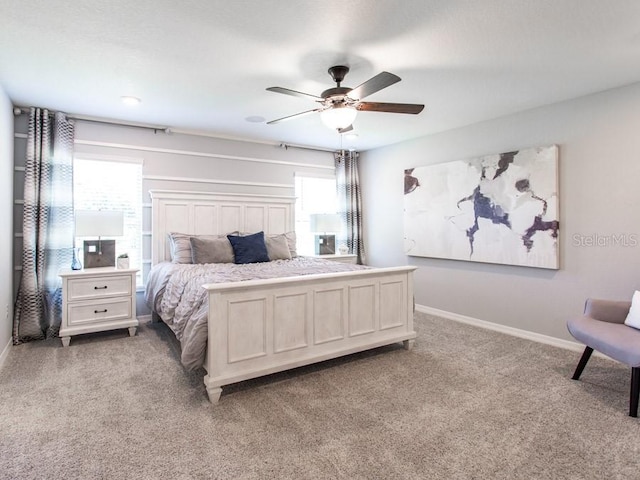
<point x="180" y="244"/>
<point x="277" y="247"/>
<point x="180" y="247"/>
<point x="291" y="241"/>
<point x="211" y="250"/>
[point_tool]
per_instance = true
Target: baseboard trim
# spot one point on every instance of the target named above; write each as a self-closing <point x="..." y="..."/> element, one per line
<point x="516" y="332"/>
<point x="144" y="318"/>
<point x="5" y="352"/>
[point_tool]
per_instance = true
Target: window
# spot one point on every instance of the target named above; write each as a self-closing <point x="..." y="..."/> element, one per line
<point x="113" y="185"/>
<point x="315" y="194"/>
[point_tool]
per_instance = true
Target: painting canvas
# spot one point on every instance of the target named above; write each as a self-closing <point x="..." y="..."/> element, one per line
<point x="499" y="208"/>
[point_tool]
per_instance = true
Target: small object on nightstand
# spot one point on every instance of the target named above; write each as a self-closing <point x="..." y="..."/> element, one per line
<point x="96" y="300"/>
<point x="123" y="261"/>
<point x="75" y="263"/>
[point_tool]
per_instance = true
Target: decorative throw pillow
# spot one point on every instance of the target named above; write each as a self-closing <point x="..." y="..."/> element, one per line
<point x="211" y="250"/>
<point x="180" y="244"/>
<point x="291" y="242"/>
<point x="249" y="249"/>
<point x="180" y="247"/>
<point x="277" y="247"/>
<point x="633" y="318"/>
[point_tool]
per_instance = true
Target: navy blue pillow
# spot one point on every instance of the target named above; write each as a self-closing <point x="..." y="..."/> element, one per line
<point x="249" y="249"/>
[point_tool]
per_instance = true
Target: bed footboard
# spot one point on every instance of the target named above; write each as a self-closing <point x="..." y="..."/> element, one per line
<point x="265" y="326"/>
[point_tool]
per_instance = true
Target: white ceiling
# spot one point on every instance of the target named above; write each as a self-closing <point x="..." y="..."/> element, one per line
<point x="204" y="65"/>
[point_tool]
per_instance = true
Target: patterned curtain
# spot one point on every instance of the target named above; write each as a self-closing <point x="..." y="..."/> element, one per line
<point x="47" y="226"/>
<point x="350" y="201"/>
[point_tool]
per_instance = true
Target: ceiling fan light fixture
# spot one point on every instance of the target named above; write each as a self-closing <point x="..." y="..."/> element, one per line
<point x="338" y="116"/>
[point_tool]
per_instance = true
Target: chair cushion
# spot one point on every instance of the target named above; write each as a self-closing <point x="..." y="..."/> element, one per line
<point x="615" y="340"/>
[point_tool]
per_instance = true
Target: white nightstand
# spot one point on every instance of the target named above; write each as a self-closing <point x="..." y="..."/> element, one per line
<point x="339" y="258"/>
<point x="97" y="299"/>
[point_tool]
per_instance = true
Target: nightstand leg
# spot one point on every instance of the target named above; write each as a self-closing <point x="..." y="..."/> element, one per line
<point x="408" y="344"/>
<point x="65" y="341"/>
<point x="132" y="331"/>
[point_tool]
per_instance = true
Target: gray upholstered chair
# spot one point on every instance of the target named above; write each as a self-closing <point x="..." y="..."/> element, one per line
<point x="602" y="328"/>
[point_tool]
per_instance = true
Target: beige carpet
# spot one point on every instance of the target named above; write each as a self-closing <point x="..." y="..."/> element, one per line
<point x="466" y="403"/>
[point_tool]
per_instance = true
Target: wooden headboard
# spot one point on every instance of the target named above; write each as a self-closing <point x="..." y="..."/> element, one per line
<point x="205" y="213"/>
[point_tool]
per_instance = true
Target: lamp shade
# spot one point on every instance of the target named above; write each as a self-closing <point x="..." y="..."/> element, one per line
<point x="99" y="223"/>
<point x="325" y="222"/>
<point x="338" y="116"/>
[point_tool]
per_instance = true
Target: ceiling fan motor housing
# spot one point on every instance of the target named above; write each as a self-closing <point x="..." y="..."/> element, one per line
<point x="338" y="73"/>
<point x="335" y="91"/>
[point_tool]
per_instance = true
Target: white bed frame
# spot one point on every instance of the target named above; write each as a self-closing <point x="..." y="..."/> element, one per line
<point x="266" y="326"/>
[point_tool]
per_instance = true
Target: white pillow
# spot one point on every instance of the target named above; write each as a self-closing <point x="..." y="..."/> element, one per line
<point x="633" y="318"/>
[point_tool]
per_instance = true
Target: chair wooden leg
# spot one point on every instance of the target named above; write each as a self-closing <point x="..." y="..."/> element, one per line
<point x="582" y="363"/>
<point x="635" y="391"/>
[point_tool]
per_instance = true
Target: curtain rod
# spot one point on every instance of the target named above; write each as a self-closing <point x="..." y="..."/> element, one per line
<point x="85" y="118"/>
<point x="155" y="128"/>
<point x="287" y="146"/>
<point x="342" y="151"/>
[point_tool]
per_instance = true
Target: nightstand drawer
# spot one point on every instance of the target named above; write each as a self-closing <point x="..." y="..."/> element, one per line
<point x="83" y="313"/>
<point x="89" y="288"/>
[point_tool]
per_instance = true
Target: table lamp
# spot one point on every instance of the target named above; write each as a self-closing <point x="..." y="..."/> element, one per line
<point x="325" y="225"/>
<point x="99" y="223"/>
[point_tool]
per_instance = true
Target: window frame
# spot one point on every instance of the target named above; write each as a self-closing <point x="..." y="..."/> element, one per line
<point x="304" y="236"/>
<point x="139" y="206"/>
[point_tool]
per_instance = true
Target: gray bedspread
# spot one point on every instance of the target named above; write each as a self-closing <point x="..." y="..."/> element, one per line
<point x="174" y="291"/>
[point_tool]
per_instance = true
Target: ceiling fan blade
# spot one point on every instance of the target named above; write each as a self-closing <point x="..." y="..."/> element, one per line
<point x="373" y="85"/>
<point x="390" y="107"/>
<point x="288" y="91"/>
<point x="291" y="117"/>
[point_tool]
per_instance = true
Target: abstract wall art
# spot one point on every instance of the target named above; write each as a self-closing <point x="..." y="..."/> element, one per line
<point x="495" y="209"/>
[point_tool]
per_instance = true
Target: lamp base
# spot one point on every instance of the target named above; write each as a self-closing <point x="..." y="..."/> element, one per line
<point x="325" y="244"/>
<point x="99" y="253"/>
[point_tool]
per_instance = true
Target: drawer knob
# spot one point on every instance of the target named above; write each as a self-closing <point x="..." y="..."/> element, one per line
<point x="100" y="311"/>
<point x="100" y="288"/>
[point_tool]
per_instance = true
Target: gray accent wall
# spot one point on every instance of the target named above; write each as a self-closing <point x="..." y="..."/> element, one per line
<point x="6" y="233"/>
<point x="181" y="162"/>
<point x="599" y="144"/>
<point x="599" y="171"/>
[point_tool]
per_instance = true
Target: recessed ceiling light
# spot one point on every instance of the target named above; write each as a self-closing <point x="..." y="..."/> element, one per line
<point x="255" y="119"/>
<point x="130" y="101"/>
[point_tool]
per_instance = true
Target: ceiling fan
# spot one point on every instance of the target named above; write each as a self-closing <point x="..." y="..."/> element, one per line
<point x="340" y="105"/>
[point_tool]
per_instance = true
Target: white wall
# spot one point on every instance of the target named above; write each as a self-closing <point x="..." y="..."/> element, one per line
<point x="599" y="144"/>
<point x="6" y="233"/>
